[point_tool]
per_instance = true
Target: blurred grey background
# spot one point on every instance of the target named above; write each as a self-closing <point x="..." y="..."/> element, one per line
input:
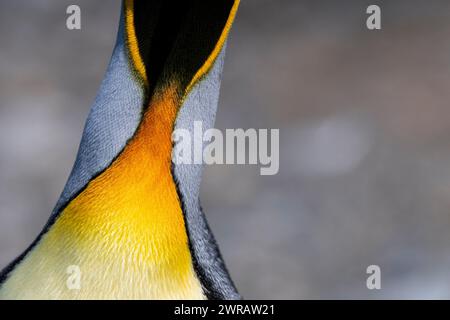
<point x="364" y="121"/>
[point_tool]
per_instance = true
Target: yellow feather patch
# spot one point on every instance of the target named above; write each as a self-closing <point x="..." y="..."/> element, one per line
<point x="125" y="231"/>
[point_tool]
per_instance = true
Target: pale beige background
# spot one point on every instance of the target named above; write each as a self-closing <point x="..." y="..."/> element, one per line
<point x="364" y="121"/>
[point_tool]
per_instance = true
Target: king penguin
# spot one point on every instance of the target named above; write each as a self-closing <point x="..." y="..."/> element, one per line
<point x="129" y="220"/>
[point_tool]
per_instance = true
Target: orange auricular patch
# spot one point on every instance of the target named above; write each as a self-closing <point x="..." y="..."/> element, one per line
<point x="132" y="42"/>
<point x="218" y="47"/>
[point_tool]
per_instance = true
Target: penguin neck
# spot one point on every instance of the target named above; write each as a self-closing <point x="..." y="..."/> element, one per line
<point x="131" y="212"/>
<point x="126" y="230"/>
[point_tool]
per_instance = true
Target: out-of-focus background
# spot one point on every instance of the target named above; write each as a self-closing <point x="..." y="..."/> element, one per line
<point x="364" y="119"/>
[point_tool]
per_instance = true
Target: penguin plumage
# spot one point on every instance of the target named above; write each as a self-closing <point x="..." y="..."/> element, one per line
<point x="129" y="220"/>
